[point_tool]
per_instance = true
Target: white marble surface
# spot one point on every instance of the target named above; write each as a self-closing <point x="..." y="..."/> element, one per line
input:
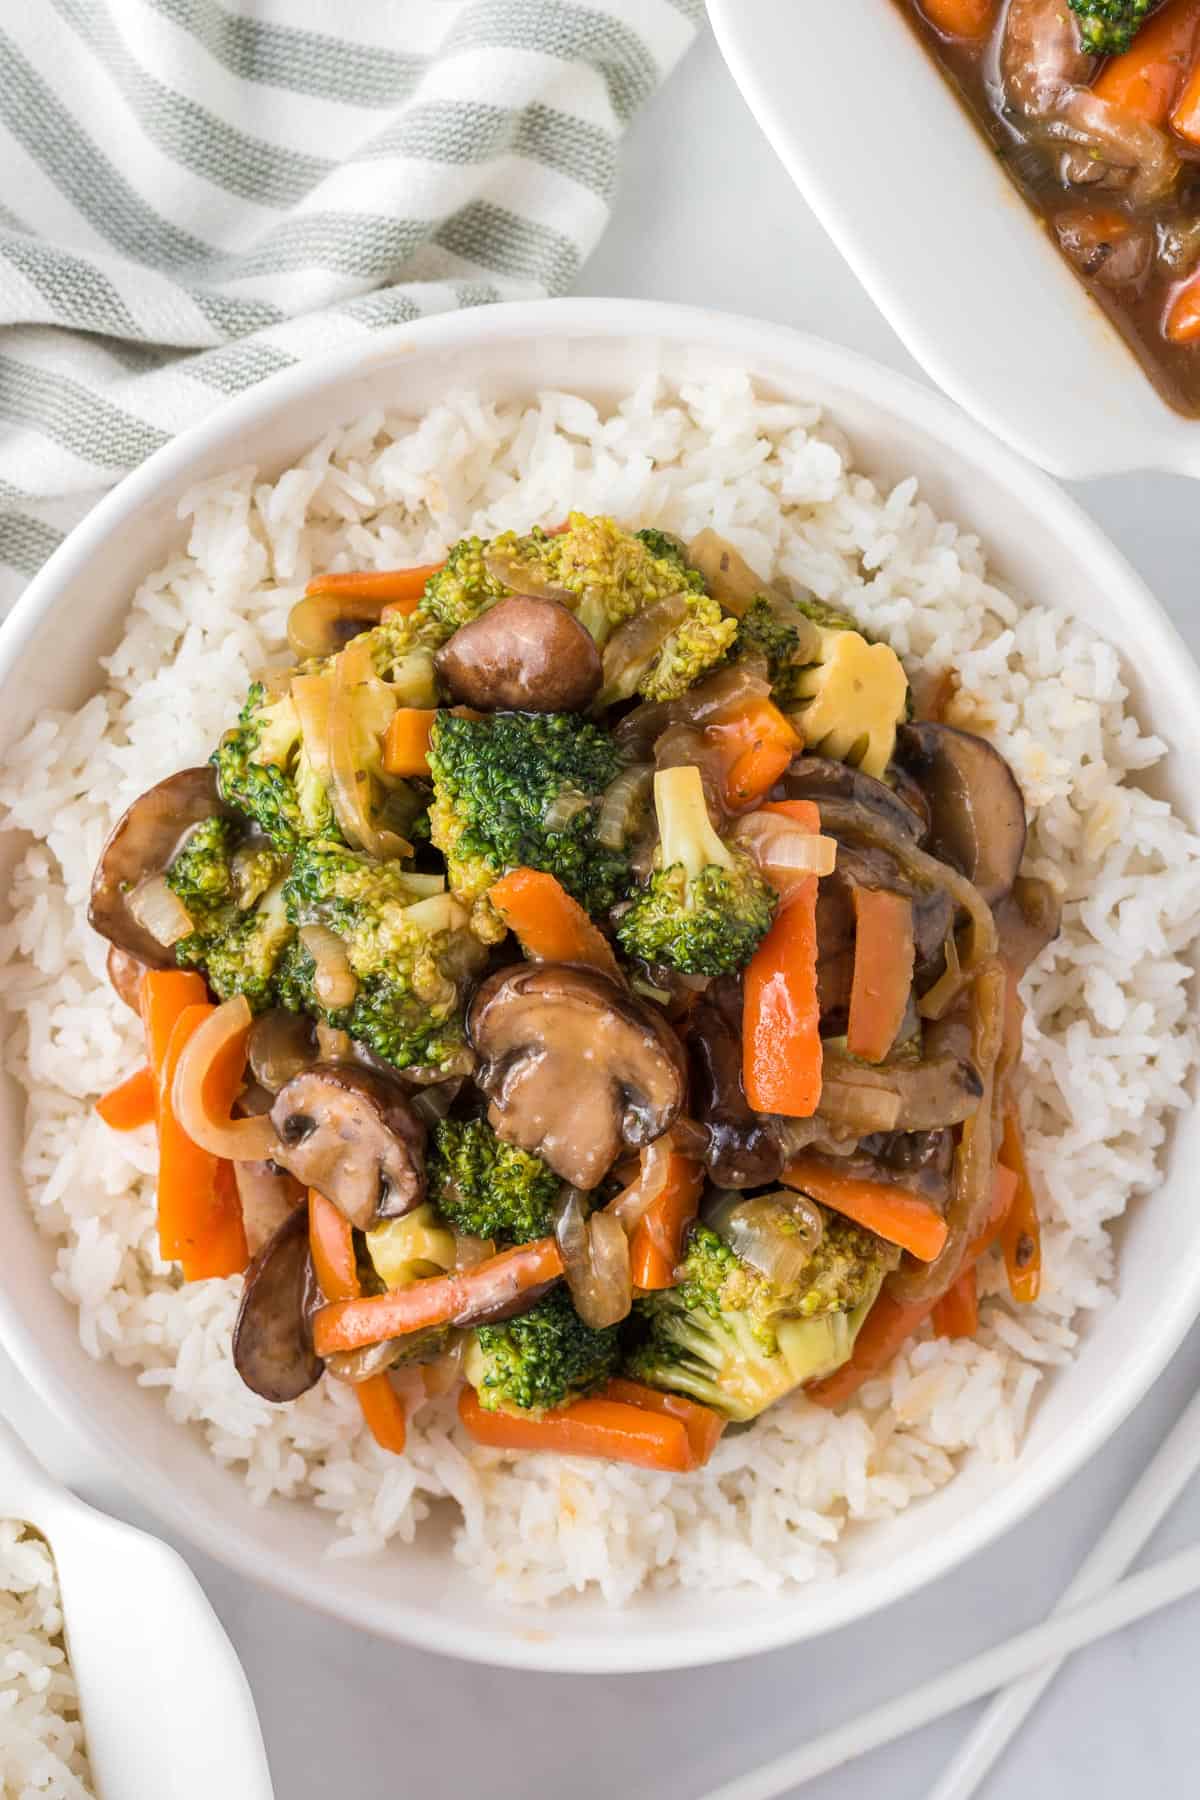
<point x="707" y="216"/>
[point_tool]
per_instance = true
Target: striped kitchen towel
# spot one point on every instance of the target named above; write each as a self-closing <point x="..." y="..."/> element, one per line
<point x="196" y="193"/>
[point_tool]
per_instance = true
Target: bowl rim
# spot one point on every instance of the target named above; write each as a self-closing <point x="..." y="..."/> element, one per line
<point x="498" y="1643"/>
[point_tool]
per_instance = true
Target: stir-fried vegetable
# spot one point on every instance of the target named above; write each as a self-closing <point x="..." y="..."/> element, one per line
<point x="504" y="1180"/>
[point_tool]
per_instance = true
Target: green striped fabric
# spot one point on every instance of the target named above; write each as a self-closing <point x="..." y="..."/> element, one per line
<point x="195" y="194"/>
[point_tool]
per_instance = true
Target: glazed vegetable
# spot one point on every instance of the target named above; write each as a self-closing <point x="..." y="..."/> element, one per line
<point x="199" y="1215"/>
<point x="656" y="1247"/>
<point x="956" y="1314"/>
<point x="209" y="1079"/>
<point x="1185" y="114"/>
<point x="1144" y="80"/>
<point x="703" y="1426"/>
<point x="551" y="925"/>
<point x="406" y="741"/>
<point x="756" y="743"/>
<point x="781" y="1022"/>
<point x="496" y="780"/>
<point x="393" y="587"/>
<point x="851" y="703"/>
<point x="132" y="1103"/>
<point x="891" y="1212"/>
<point x="331" y="1246"/>
<point x="968" y="18"/>
<point x="1183" y="317"/>
<point x="1022" y="1237"/>
<point x="543" y="1359"/>
<point x="705" y="907"/>
<point x="522" y="655"/>
<point x="596" y="1427"/>
<point x="489" y="1189"/>
<point x="471" y="1298"/>
<point x="883" y="971"/>
<point x="736" y="1341"/>
<point x="1109" y="26"/>
<point x="410" y="951"/>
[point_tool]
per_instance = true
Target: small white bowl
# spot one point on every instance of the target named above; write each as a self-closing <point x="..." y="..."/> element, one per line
<point x="915" y="198"/>
<point x="1037" y="539"/>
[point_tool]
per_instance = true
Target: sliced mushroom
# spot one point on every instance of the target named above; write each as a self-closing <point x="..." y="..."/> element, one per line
<point x="281" y="1045"/>
<point x="743" y="1150"/>
<point x="323" y="624"/>
<point x="920" y="1160"/>
<point x="269" y="1195"/>
<point x="824" y="778"/>
<point x="141" y="845"/>
<point x="977" y="810"/>
<point x="575" y="1067"/>
<point x="125" y="973"/>
<point x="522" y="655"/>
<point x="272" y="1340"/>
<point x="352" y="1134"/>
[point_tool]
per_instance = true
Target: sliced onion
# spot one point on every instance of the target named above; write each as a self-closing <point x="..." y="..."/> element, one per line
<point x="160" y="911"/>
<point x="335" y="981"/>
<point x="784" y="849"/>
<point x="730" y="578"/>
<point x="333" y="1045"/>
<point x="777" y="1234"/>
<point x="629" y="1207"/>
<point x="566" y="805"/>
<point x="200" y="1096"/>
<point x="444" y="1372"/>
<point x="595" y="1255"/>
<point x="281" y="1044"/>
<point x="350" y="784"/>
<point x="858" y="1110"/>
<point x="311" y="696"/>
<point x="634" y="645"/>
<point x="622" y="803"/>
<point x="526" y="577"/>
<point x="321" y="624"/>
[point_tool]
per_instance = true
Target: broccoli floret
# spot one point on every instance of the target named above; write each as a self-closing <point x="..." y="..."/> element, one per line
<point x="542" y="1359"/>
<point x="666" y="547"/>
<point x="201" y="873"/>
<point x="1106" y="27"/>
<point x="263" y="770"/>
<point x="242" y="952"/>
<point x="690" y="651"/>
<point x="487" y="1188"/>
<point x="705" y="907"/>
<point x="737" y="1342"/>
<point x="762" y="632"/>
<point x="460" y="590"/>
<point x="494" y="780"/>
<point x="408" y="947"/>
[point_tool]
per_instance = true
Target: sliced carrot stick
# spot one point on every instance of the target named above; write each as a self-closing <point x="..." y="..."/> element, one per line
<point x="222" y="1250"/>
<point x="131" y="1103"/>
<point x="595" y="1428"/>
<point x="656" y="1246"/>
<point x="756" y="743"/>
<point x="164" y="995"/>
<point x="1022" y="1233"/>
<point x="406" y="740"/>
<point x="1185" y="115"/>
<point x="883" y="971"/>
<point x="188" y="1203"/>
<point x="893" y="1213"/>
<point x="890" y="1323"/>
<point x="702" y="1424"/>
<point x="1183" y="315"/>
<point x="1145" y="78"/>
<point x="331" y="1246"/>
<point x="437" y="1300"/>
<point x="781" y="1016"/>
<point x="399" y="588"/>
<point x="960" y="18"/>
<point x="384" y="1412"/>
<point x="957" y="1312"/>
<point x="551" y="925"/>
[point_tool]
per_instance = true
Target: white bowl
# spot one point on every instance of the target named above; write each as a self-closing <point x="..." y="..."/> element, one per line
<point x="1038" y="539"/>
<point x="922" y="209"/>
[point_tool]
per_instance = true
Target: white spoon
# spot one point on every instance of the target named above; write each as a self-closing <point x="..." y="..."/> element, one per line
<point x="167" y="1711"/>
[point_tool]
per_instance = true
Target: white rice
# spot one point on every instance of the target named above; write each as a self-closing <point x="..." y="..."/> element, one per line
<point x="1108" y="1048"/>
<point x="41" y="1739"/>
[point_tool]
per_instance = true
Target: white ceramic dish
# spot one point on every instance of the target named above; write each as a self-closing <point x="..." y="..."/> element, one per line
<point x="152" y="1665"/>
<point x="1038" y="539"/>
<point x="915" y="199"/>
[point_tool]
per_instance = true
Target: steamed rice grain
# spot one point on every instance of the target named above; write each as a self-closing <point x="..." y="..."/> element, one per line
<point x="1109" y="1046"/>
<point x="42" y="1751"/>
